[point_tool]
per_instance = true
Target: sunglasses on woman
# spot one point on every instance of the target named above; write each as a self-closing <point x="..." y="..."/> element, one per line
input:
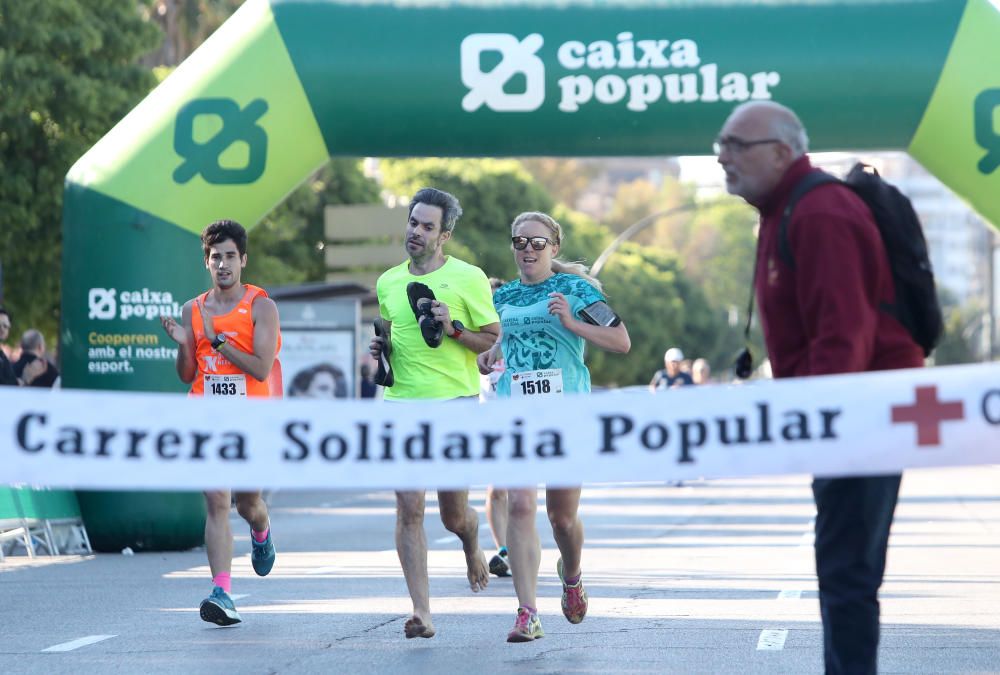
<point x="537" y="243"/>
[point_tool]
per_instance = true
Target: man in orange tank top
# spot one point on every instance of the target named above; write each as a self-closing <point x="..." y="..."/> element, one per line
<point x="228" y="340"/>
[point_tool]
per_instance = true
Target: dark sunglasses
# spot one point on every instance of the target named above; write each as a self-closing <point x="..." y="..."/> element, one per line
<point x="537" y="243"/>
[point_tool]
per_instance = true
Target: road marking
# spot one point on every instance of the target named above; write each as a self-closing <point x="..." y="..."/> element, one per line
<point x="324" y="570"/>
<point x="772" y="640"/>
<point x="239" y="596"/>
<point x="76" y="644"/>
<point x="444" y="540"/>
<point x="789" y="595"/>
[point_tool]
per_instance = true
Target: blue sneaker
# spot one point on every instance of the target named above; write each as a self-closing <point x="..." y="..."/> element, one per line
<point x="262" y="554"/>
<point x="218" y="608"/>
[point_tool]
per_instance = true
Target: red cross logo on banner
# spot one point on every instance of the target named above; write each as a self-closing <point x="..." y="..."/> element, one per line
<point x="928" y="413"/>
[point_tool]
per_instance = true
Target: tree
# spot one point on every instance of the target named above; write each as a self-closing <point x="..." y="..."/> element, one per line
<point x="662" y="308"/>
<point x="68" y="73"/>
<point x="566" y="179"/>
<point x="287" y="246"/>
<point x="963" y="330"/>
<point x="185" y="25"/>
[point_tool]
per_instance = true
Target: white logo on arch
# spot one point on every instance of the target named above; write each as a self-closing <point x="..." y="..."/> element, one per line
<point x="518" y="57"/>
<point x="102" y="303"/>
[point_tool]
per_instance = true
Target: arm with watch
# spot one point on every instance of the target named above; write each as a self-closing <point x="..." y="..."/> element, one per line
<point x="475" y="341"/>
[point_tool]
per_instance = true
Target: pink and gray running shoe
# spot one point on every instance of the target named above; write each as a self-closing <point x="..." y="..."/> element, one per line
<point x="574" y="598"/>
<point x="527" y="627"/>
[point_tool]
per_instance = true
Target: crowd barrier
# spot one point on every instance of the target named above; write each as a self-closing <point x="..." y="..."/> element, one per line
<point x="41" y="519"/>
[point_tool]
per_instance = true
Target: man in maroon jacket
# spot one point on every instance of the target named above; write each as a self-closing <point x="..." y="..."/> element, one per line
<point x="819" y="318"/>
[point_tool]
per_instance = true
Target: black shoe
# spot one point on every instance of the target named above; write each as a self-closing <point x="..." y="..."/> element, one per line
<point x="383" y="376"/>
<point x="499" y="566"/>
<point x="420" y="302"/>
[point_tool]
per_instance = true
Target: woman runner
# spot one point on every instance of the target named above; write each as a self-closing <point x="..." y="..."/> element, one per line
<point x="547" y="316"/>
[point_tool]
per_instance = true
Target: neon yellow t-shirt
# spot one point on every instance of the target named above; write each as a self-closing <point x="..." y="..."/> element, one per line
<point x="450" y="370"/>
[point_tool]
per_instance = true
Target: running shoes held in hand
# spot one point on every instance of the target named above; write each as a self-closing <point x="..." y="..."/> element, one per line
<point x="383" y="376"/>
<point x="421" y="297"/>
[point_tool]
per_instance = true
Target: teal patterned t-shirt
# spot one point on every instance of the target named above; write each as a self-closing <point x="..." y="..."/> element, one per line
<point x="534" y="340"/>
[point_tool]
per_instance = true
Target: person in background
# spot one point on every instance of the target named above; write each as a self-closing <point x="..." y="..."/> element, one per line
<point x="368" y="386"/>
<point x="671" y="376"/>
<point x="701" y="372"/>
<point x="496" y="498"/>
<point x="33" y="368"/>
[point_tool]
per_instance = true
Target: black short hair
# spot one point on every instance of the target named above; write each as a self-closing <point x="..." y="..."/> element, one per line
<point x="303" y="379"/>
<point x="220" y="231"/>
<point x="451" y="210"/>
<point x="3" y="310"/>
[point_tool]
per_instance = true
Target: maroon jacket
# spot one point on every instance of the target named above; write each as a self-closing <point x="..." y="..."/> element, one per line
<point x="823" y="316"/>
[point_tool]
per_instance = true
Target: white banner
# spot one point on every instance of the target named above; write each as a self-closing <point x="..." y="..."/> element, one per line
<point x="838" y="425"/>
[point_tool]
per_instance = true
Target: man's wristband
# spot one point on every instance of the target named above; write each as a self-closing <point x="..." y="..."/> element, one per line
<point x="458" y="327"/>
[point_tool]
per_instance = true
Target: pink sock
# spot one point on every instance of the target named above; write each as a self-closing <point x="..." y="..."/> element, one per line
<point x="530" y="609"/>
<point x="223" y="580"/>
<point x="260" y="537"/>
<point x="574" y="581"/>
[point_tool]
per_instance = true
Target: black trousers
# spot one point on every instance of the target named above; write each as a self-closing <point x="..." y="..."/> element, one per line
<point x="853" y="516"/>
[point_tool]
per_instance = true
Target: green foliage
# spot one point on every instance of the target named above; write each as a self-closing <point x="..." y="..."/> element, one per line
<point x="714" y="244"/>
<point x="492" y="192"/>
<point x="583" y="238"/>
<point x="185" y="25"/>
<point x="68" y="73"/>
<point x="287" y="246"/>
<point x="719" y="249"/>
<point x="963" y="326"/>
<point x="662" y="308"/>
<point x="566" y="179"/>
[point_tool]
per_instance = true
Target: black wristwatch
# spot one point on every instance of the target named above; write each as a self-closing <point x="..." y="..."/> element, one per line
<point x="219" y="340"/>
<point x="459" y="329"/>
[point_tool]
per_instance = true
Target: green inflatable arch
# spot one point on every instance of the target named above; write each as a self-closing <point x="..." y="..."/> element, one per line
<point x="285" y="84"/>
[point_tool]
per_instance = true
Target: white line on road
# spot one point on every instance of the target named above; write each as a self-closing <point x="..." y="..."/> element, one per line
<point x="789" y="595"/>
<point x="324" y="570"/>
<point x="239" y="596"/>
<point x="76" y="644"/>
<point x="772" y="639"/>
<point x="444" y="540"/>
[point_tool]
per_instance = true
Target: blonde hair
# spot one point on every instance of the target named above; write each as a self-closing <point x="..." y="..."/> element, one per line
<point x="558" y="264"/>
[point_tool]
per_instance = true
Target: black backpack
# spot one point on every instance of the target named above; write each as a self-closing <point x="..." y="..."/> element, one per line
<point x="916" y="306"/>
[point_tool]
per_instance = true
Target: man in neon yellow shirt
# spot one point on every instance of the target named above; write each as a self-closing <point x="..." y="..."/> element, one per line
<point x="463" y="305"/>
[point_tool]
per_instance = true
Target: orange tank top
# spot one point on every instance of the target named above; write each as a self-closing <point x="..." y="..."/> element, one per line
<point x="218" y="375"/>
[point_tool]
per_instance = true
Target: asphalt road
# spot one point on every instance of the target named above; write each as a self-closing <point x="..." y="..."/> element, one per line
<point x="710" y="577"/>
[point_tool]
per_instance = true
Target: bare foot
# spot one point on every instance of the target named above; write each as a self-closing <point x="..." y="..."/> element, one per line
<point x="479" y="571"/>
<point x="416" y="627"/>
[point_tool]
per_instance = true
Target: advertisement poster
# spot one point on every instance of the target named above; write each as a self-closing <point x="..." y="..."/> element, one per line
<point x="318" y="363"/>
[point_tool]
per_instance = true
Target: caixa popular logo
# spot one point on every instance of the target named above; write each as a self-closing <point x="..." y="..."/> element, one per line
<point x="517" y="59"/>
<point x="634" y="72"/>
<point x="105" y="304"/>
<point x="204" y="156"/>
<point x="987" y="107"/>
